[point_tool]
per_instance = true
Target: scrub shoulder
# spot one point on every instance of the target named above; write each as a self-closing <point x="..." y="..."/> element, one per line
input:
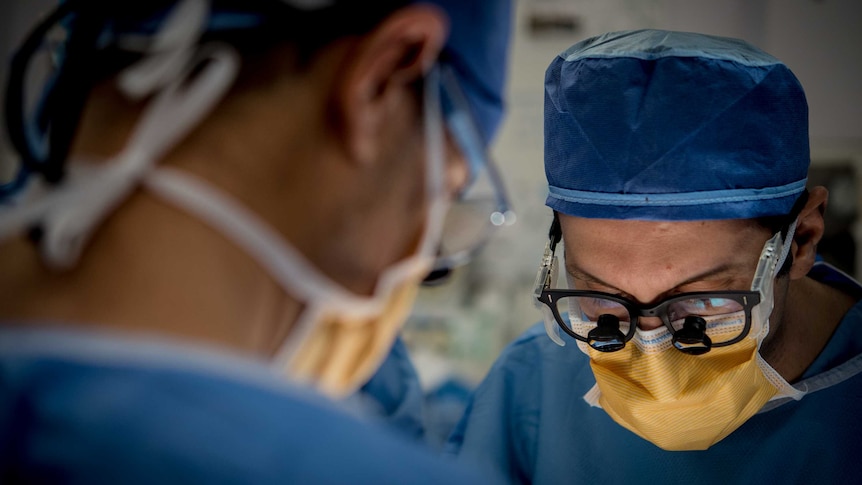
<point x="73" y="418"/>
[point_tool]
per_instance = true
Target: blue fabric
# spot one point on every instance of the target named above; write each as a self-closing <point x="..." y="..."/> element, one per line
<point x="528" y="420"/>
<point x="394" y="394"/>
<point x="87" y="408"/>
<point x="444" y="406"/>
<point x="477" y="46"/>
<point x="660" y="125"/>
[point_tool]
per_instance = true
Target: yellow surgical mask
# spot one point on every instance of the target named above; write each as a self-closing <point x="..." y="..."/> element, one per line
<point x="676" y="400"/>
<point x="343" y="352"/>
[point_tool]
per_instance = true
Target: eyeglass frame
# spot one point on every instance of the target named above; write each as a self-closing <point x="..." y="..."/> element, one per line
<point x="761" y="283"/>
<point x="747" y="299"/>
<point x="461" y="124"/>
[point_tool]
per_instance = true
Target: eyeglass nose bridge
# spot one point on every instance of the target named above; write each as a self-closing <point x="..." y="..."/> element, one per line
<point x="657" y="311"/>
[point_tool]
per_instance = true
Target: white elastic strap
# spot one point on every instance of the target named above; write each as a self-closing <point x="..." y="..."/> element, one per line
<point x="170" y="117"/>
<point x="786" y="245"/>
<point x="70" y="212"/>
<point x="286" y="264"/>
<point x="785" y="389"/>
<point x="168" y="52"/>
<point x="245" y="229"/>
<point x="299" y="335"/>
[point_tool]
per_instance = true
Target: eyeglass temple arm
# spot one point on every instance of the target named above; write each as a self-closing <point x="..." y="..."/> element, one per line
<point x="555" y="233"/>
<point x="545" y="278"/>
<point x="547" y="273"/>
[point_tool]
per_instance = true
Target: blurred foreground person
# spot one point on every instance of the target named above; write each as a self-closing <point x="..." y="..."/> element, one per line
<point x="695" y="338"/>
<point x="223" y="208"/>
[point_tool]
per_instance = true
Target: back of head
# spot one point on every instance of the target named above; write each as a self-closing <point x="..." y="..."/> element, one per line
<point x="191" y="69"/>
<point x="106" y="37"/>
<point x="659" y="125"/>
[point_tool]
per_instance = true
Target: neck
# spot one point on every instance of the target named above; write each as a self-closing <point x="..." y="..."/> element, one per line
<point x="810" y="313"/>
<point x="151" y="268"/>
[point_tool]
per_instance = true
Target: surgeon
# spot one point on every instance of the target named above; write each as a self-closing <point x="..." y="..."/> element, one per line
<point x="692" y="336"/>
<point x="222" y="215"/>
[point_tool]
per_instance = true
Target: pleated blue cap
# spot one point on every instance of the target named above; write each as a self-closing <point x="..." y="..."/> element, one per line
<point x="477" y="49"/>
<point x="477" y="46"/>
<point x="676" y="126"/>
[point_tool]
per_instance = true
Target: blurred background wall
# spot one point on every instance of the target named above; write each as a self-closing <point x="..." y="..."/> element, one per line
<point x="458" y="329"/>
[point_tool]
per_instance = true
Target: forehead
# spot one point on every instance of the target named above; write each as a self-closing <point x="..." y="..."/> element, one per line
<point x="626" y="251"/>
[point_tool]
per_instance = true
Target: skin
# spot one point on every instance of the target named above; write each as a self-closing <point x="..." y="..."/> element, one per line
<point x="330" y="156"/>
<point x="647" y="261"/>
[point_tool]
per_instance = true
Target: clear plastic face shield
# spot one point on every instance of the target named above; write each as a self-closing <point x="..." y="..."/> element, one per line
<point x="482" y="205"/>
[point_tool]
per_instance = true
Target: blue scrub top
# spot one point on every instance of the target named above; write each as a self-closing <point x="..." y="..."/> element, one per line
<point x="529" y="421"/>
<point x="394" y="394"/>
<point x="87" y="407"/>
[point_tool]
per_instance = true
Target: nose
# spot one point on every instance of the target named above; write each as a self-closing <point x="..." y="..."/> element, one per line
<point x="649" y="323"/>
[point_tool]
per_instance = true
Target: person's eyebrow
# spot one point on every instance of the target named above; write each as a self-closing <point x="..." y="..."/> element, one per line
<point x="717" y="271"/>
<point x="581" y="275"/>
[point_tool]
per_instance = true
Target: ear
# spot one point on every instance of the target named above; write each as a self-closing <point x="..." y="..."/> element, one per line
<point x="809" y="231"/>
<point x="381" y="74"/>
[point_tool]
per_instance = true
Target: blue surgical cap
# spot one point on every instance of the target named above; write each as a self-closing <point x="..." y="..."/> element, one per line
<point x="675" y="126"/>
<point x="477" y="49"/>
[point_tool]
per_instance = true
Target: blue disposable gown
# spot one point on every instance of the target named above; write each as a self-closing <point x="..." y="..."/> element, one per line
<point x="86" y="407"/>
<point x="528" y="420"/>
<point x="394" y="394"/>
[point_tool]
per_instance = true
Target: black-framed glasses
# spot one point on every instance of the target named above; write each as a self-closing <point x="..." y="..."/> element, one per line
<point x="697" y="321"/>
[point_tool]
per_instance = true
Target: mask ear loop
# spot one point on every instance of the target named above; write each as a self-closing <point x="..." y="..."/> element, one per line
<point x="169" y="119"/>
<point x="414" y="267"/>
<point x="769" y="267"/>
<point x="71" y="211"/>
<point x="764" y="280"/>
<point x="771" y="259"/>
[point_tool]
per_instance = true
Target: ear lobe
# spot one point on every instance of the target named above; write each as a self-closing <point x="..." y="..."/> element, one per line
<point x="381" y="74"/>
<point x="809" y="231"/>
